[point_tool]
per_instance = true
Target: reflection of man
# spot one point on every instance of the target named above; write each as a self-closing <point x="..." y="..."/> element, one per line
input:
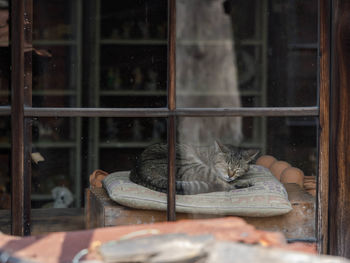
<point x="206" y="72"/>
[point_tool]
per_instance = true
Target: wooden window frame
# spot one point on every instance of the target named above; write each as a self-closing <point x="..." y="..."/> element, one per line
<point x="333" y="113"/>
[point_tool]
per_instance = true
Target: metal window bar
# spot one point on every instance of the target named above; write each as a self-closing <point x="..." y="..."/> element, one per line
<point x="166" y="112"/>
<point x="171" y="213"/>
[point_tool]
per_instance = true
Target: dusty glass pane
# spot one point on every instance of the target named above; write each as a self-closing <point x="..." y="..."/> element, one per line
<point x="132" y="50"/>
<point x="57" y="42"/>
<point x="5" y="175"/>
<point x="264" y="176"/>
<point x="124" y="139"/>
<point x="57" y="144"/>
<point x="55" y="78"/>
<point x="246" y="53"/>
<point x="100" y="53"/>
<point x="73" y="154"/>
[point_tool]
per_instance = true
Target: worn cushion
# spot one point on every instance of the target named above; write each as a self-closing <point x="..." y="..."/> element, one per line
<point x="267" y="197"/>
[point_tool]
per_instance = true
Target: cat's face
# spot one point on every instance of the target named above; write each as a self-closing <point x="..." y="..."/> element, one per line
<point x="233" y="163"/>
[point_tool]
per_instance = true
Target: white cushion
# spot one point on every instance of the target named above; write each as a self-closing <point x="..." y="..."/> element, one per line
<point x="267" y="196"/>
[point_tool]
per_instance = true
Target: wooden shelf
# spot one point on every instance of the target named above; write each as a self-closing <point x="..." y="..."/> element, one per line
<point x="214" y="42"/>
<point x="294" y="46"/>
<point x="4" y="44"/>
<point x="150" y="42"/>
<point x="5" y="145"/>
<point x="133" y="144"/>
<point x="40" y="197"/>
<point x="133" y="93"/>
<point x="215" y="93"/>
<point x="57" y="42"/>
<point x="302" y="123"/>
<point x="54" y="144"/>
<point x="68" y="92"/>
<point x="144" y="144"/>
<point x="45" y="92"/>
<point x="164" y="93"/>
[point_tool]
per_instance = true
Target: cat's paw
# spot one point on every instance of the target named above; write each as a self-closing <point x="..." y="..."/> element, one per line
<point x="243" y="184"/>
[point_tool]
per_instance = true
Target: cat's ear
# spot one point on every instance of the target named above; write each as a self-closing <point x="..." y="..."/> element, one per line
<point x="250" y="155"/>
<point x="220" y="147"/>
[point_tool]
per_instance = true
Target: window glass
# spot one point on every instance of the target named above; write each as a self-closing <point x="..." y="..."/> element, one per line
<point x="132" y="46"/>
<point x="270" y="148"/>
<point x="122" y="139"/>
<point x="5" y="175"/>
<point x="57" y="144"/>
<point x="100" y="53"/>
<point x="57" y="41"/>
<point x="5" y="122"/>
<point x="5" y="55"/>
<point x="246" y="53"/>
<point x="69" y="150"/>
<point x="113" y="54"/>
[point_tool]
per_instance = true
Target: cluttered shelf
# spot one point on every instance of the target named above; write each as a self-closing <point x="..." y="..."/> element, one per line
<point x="145" y="41"/>
<point x="54" y="42"/>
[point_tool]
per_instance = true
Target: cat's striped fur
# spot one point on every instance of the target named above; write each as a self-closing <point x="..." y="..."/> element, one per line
<point x="198" y="169"/>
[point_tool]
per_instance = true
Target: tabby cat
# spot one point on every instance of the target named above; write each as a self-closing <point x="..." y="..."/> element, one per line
<point x="198" y="169"/>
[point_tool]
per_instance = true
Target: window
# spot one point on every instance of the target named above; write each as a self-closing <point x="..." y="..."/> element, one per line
<point x="89" y="85"/>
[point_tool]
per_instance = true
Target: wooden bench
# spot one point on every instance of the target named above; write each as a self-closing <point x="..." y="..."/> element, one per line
<point x="101" y="211"/>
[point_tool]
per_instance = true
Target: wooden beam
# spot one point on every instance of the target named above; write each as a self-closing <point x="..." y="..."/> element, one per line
<point x="323" y="165"/>
<point x="339" y="194"/>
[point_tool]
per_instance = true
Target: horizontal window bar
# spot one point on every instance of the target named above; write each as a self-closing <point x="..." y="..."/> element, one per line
<point x="247" y="112"/>
<point x="164" y="112"/>
<point x="96" y="112"/>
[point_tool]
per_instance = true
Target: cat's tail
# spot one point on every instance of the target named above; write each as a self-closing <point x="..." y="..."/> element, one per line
<point x="160" y="184"/>
<point x="137" y="179"/>
<point x="192" y="187"/>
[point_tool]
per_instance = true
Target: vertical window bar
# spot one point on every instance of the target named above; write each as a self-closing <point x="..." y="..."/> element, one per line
<point x="171" y="214"/>
<point x="19" y="211"/>
<point x="28" y="76"/>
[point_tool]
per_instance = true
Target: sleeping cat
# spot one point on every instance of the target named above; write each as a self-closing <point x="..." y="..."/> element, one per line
<point x="198" y="169"/>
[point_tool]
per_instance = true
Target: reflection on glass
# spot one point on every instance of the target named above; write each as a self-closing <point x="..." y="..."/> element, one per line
<point x="206" y="71"/>
<point x="245" y="183"/>
<point x="267" y="57"/>
<point x="202" y="130"/>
